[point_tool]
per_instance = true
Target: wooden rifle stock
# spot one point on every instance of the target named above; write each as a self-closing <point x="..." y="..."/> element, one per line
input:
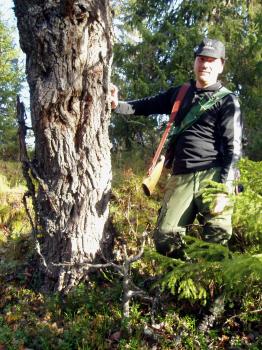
<point x="149" y="183"/>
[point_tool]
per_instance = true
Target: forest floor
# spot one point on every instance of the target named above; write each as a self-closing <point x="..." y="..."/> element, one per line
<point x="213" y="301"/>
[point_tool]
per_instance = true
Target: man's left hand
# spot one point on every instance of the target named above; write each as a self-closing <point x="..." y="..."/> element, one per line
<point x="221" y="202"/>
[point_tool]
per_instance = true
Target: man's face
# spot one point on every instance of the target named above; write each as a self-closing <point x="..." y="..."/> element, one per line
<point x="207" y="70"/>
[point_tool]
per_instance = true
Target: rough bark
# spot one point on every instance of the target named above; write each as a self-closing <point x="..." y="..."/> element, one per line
<point x="68" y="58"/>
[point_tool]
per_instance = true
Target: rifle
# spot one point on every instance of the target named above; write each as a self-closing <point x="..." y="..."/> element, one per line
<point x="155" y="169"/>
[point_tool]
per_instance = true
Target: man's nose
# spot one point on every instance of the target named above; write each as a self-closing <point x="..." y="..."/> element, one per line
<point x="205" y="63"/>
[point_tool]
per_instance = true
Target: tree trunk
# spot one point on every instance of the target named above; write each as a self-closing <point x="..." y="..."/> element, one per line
<point x="68" y="46"/>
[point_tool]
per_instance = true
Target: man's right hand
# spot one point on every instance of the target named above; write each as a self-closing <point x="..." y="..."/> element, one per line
<point x="114" y="96"/>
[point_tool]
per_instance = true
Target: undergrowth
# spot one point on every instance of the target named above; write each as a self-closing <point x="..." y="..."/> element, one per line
<point x="212" y="301"/>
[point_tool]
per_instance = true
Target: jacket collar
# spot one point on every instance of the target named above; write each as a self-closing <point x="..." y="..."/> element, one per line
<point x="210" y="88"/>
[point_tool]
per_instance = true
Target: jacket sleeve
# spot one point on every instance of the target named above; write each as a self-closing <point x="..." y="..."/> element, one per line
<point x="231" y="137"/>
<point x="158" y="104"/>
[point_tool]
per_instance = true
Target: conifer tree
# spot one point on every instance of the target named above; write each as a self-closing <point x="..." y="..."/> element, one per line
<point x="166" y="33"/>
<point x="10" y="84"/>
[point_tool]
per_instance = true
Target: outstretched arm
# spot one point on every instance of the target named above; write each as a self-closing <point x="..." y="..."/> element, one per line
<point x="158" y="104"/>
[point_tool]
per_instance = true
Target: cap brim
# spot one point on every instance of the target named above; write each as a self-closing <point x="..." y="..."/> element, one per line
<point x="209" y="53"/>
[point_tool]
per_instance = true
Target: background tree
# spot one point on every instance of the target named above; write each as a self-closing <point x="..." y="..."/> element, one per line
<point x="161" y="55"/>
<point x="11" y="77"/>
<point x="68" y="52"/>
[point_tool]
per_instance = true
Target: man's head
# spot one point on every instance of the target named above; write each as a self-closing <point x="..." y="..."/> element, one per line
<point x="209" y="62"/>
<point x="211" y="48"/>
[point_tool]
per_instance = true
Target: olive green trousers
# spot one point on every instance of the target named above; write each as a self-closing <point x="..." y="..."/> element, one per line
<point x="183" y="202"/>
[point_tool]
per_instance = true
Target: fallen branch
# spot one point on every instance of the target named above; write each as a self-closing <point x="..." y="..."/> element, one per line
<point x="258" y="311"/>
<point x="129" y="289"/>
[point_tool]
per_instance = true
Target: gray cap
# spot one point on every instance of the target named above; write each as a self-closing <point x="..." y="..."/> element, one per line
<point x="211" y="48"/>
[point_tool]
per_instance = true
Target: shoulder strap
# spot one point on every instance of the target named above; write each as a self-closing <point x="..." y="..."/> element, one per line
<point x="203" y="105"/>
<point x="180" y="96"/>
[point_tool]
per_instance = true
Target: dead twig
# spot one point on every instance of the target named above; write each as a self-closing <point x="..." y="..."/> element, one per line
<point x="26" y="167"/>
<point x="130" y="290"/>
<point x="258" y="311"/>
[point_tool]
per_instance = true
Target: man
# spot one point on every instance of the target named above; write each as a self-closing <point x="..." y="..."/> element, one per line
<point x="206" y="150"/>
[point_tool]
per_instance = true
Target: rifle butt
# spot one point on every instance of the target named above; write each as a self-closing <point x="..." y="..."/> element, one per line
<point x="149" y="183"/>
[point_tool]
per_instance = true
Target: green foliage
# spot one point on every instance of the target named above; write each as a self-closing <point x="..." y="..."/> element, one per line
<point x="82" y="320"/>
<point x="15" y="243"/>
<point x="13" y="219"/>
<point x="89" y="317"/>
<point x="247" y="219"/>
<point x="155" y="46"/>
<point x="213" y="269"/>
<point x="132" y="213"/>
<point x="11" y="78"/>
<point x="134" y="161"/>
<point x="211" y="191"/>
<point x="212" y="265"/>
<point x="13" y="172"/>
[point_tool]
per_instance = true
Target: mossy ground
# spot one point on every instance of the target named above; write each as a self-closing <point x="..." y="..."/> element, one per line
<point x="90" y="316"/>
